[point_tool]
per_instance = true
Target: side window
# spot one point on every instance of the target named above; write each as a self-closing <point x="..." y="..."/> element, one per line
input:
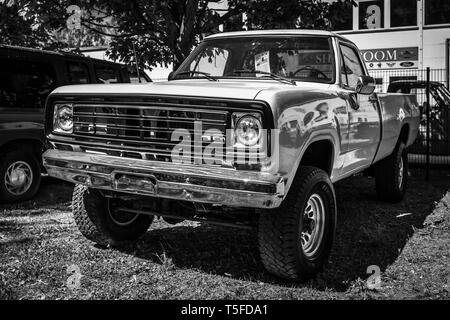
<point x="135" y="79"/>
<point x="343" y="71"/>
<point x="106" y="74"/>
<point x="352" y="68"/>
<point x="25" y="84"/>
<point x="78" y="73"/>
<point x="212" y="61"/>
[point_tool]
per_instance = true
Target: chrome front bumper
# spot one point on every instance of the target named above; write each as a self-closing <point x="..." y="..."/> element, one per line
<point x="205" y="184"/>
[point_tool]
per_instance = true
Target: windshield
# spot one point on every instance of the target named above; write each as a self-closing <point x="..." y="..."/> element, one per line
<point x="303" y="58"/>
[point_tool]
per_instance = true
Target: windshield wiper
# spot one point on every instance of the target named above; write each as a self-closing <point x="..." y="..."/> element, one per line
<point x="268" y="74"/>
<point x="205" y="74"/>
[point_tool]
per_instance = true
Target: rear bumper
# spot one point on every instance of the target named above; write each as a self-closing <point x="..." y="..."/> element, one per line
<point x="221" y="186"/>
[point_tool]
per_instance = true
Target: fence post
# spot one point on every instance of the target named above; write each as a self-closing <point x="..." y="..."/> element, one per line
<point x="428" y="124"/>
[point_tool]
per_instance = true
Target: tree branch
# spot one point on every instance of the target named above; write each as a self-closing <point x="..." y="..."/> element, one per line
<point x="105" y="33"/>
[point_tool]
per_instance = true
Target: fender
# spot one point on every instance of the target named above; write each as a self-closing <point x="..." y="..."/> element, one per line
<point x="315" y="137"/>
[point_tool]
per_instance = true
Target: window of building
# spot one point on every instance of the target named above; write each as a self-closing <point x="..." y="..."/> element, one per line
<point x="403" y="13"/>
<point x="25" y="84"/>
<point x="106" y="74"/>
<point x="437" y="12"/>
<point x="371" y="14"/>
<point x="352" y="67"/>
<point x="341" y="16"/>
<point x="78" y="73"/>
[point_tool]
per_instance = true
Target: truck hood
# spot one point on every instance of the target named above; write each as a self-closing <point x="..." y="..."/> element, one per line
<point x="224" y="88"/>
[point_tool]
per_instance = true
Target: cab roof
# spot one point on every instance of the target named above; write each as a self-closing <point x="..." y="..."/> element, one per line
<point x="25" y="50"/>
<point x="276" y="32"/>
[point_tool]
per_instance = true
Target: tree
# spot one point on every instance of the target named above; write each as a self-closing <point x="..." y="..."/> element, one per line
<point x="166" y="31"/>
<point x="17" y="27"/>
<point x="42" y="24"/>
<point x="295" y="14"/>
<point x="162" y="31"/>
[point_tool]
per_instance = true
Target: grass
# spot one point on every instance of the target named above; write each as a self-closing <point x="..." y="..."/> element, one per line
<point x="409" y="242"/>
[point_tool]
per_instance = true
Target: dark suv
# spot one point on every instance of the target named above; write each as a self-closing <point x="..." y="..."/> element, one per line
<point x="27" y="76"/>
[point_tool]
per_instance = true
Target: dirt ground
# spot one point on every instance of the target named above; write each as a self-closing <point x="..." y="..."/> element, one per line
<point x="43" y="256"/>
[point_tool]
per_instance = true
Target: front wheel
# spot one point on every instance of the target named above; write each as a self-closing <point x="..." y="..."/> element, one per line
<point x="99" y="219"/>
<point x="295" y="239"/>
<point x="391" y="175"/>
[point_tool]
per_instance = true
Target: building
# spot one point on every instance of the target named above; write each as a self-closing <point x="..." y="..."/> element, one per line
<point x="400" y="38"/>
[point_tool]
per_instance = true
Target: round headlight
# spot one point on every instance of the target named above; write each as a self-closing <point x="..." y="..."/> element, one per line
<point x="248" y="130"/>
<point x="64" y="118"/>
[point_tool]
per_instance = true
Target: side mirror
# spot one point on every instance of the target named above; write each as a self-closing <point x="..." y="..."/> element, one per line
<point x="366" y="85"/>
<point x="170" y="77"/>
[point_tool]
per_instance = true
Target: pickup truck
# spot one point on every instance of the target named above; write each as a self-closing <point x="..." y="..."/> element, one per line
<point x="439" y="120"/>
<point x="251" y="130"/>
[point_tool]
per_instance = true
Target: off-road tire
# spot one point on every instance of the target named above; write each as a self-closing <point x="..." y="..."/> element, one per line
<point x="92" y="217"/>
<point x="9" y="157"/>
<point x="279" y="230"/>
<point x="388" y="174"/>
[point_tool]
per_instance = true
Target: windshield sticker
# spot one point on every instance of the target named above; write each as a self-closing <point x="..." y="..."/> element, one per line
<point x="262" y="62"/>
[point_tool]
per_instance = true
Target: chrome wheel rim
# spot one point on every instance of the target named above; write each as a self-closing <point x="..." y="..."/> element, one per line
<point x="121" y="218"/>
<point x="401" y="168"/>
<point x="18" y="178"/>
<point x="313" y="225"/>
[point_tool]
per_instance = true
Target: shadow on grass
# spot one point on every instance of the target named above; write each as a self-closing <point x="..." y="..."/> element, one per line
<point x="52" y="194"/>
<point x="18" y="240"/>
<point x="369" y="232"/>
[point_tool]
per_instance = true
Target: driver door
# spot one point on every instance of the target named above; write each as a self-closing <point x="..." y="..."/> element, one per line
<point x="363" y="114"/>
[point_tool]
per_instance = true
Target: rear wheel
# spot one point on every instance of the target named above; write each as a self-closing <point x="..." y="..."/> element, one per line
<point x="20" y="176"/>
<point x="295" y="239"/>
<point x="391" y="175"/>
<point x="99" y="219"/>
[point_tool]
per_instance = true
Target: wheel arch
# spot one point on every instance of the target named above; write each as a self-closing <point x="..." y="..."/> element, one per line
<point x="404" y="134"/>
<point x="320" y="154"/>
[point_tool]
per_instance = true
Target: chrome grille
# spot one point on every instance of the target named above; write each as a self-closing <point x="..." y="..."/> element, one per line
<point x="142" y="131"/>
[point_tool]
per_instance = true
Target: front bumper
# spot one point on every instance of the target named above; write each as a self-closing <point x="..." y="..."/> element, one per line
<point x="214" y="185"/>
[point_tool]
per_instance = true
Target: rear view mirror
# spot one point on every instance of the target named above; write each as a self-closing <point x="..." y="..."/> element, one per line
<point x="171" y="74"/>
<point x="366" y="85"/>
